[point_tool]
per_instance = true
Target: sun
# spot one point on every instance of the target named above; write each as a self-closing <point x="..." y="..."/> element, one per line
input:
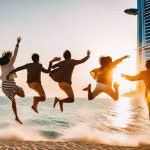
<point x="124" y="85"/>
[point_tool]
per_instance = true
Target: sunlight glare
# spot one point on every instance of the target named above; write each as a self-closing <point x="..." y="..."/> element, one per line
<point x="123" y="114"/>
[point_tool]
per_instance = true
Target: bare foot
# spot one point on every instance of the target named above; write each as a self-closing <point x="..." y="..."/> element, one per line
<point x="18" y="120"/>
<point x="61" y="105"/>
<point x="116" y="85"/>
<point x="34" y="108"/>
<point x="87" y="88"/>
<point x="55" y="102"/>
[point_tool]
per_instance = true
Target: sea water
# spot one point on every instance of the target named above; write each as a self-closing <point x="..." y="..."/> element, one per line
<point x="102" y="120"/>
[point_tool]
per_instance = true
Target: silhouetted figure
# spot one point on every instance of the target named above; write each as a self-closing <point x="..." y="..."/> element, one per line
<point x="34" y="78"/>
<point x="62" y="74"/>
<point x="145" y="76"/>
<point x="9" y="86"/>
<point x="103" y="76"/>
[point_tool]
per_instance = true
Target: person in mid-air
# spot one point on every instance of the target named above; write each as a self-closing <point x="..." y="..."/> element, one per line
<point x="103" y="77"/>
<point x="62" y="73"/>
<point x="9" y="86"/>
<point x="34" y="70"/>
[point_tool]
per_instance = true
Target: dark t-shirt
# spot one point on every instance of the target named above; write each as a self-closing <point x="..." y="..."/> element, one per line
<point x="34" y="71"/>
<point x="63" y="70"/>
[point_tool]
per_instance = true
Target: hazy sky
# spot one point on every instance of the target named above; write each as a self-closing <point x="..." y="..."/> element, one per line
<point x="49" y="27"/>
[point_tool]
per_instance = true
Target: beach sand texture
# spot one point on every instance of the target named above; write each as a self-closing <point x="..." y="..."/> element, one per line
<point x="49" y="145"/>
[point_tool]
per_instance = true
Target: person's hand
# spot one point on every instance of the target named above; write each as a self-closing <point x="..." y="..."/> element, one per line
<point x="88" y="53"/>
<point x="56" y="59"/>
<point x="123" y="75"/>
<point x="126" y="56"/>
<point x="18" y="40"/>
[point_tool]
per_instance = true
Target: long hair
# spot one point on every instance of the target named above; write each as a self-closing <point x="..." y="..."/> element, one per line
<point x="6" y="57"/>
<point x="105" y="60"/>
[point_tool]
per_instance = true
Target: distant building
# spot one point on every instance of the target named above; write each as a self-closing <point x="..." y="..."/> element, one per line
<point x="143" y="35"/>
<point x="143" y="44"/>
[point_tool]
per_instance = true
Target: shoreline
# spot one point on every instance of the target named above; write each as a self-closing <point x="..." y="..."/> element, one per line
<point x="63" y="145"/>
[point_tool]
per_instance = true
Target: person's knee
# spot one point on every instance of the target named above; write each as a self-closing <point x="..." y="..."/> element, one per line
<point x="22" y="94"/>
<point x="116" y="98"/>
<point x="43" y="98"/>
<point x="71" y="99"/>
<point x="90" y="98"/>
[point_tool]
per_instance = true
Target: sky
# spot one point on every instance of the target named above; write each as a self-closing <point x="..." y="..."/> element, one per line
<point x="49" y="27"/>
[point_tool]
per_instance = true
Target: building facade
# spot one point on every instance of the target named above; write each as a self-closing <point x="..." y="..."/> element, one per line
<point x="143" y="44"/>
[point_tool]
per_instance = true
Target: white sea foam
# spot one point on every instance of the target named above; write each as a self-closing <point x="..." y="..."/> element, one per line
<point x="19" y="133"/>
<point x="103" y="121"/>
<point x="83" y="133"/>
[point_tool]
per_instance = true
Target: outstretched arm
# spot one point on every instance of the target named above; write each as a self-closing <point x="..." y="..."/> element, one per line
<point x="83" y="59"/>
<point x="132" y="78"/>
<point x="57" y="64"/>
<point x="118" y="61"/>
<point x="50" y="65"/>
<point x="15" y="70"/>
<point x="15" y="52"/>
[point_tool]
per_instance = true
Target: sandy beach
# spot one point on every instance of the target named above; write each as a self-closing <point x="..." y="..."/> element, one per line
<point x="51" y="145"/>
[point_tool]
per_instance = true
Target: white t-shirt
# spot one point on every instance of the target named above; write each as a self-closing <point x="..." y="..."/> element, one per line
<point x="5" y="69"/>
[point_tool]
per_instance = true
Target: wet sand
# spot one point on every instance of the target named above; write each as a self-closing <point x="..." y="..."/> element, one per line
<point x="51" y="145"/>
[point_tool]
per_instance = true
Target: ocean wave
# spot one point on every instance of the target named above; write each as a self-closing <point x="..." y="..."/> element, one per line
<point x="84" y="133"/>
<point x="60" y="123"/>
<point x="20" y="133"/>
<point x="50" y="134"/>
<point x="79" y="133"/>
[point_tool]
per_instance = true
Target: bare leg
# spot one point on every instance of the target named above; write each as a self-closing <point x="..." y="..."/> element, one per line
<point x="15" y="111"/>
<point x="111" y="93"/>
<point x="100" y="87"/>
<point x="69" y="92"/>
<point x="35" y="104"/>
<point x="55" y="102"/>
<point x="116" y="86"/>
<point x="39" y="89"/>
<point x="88" y="88"/>
<point x="66" y="87"/>
<point x="148" y="104"/>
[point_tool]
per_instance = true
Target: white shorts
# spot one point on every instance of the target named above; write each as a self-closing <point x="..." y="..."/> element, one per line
<point x="100" y="87"/>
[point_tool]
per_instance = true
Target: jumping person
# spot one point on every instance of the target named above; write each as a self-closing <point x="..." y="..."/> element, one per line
<point x="9" y="86"/>
<point x="145" y="76"/>
<point x="103" y="76"/>
<point x="62" y="74"/>
<point x="34" y="78"/>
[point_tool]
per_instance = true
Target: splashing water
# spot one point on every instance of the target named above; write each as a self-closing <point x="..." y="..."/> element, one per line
<point x="99" y="121"/>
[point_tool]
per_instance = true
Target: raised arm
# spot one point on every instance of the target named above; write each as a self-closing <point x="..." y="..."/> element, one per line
<point x="118" y="61"/>
<point x="56" y="65"/>
<point x="17" y="69"/>
<point x="50" y="65"/>
<point x="83" y="59"/>
<point x="133" y="78"/>
<point x="15" y="52"/>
